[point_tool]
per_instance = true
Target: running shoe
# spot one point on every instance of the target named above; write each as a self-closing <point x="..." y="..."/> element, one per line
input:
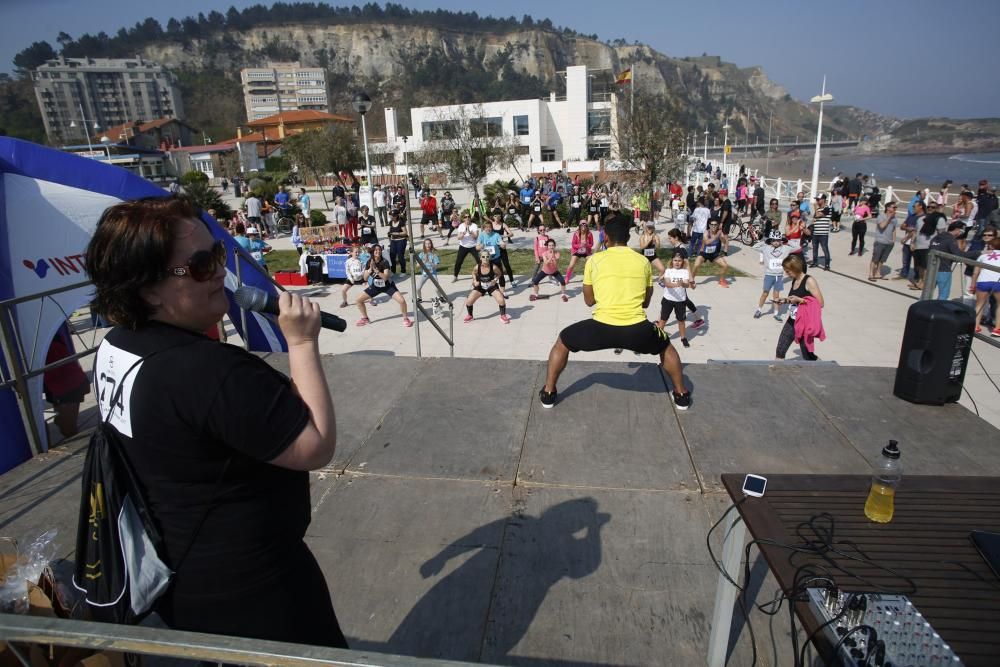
<point x="343" y="305"/>
<point x="618" y="350"/>
<point x="681" y="401"/>
<point x="996" y="332"/>
<point x="979" y="329"/>
<point x="547" y="398"/>
<point x="723" y="283"/>
<point x="407" y="322"/>
<point x="698" y="323"/>
<point x="505" y="319"/>
<point x="467" y="319"/>
<point x="363" y="321"/>
<point x="532" y="298"/>
<point x="513" y="282"/>
<point x="685" y="343"/>
<point x="756" y="314"/>
<point x="777" y="316"/>
<point x="454" y="279"/>
<point x="565" y="298"/>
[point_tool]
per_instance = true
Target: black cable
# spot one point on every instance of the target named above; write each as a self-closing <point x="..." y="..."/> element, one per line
<point x="801" y="657"/>
<point x="985" y="372"/>
<point x="708" y="542"/>
<point x="974" y="406"/>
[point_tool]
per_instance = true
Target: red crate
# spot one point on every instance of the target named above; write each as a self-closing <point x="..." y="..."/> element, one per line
<point x="290" y="278"/>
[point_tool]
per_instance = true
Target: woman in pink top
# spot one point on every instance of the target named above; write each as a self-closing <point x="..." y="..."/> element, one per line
<point x="549" y="269"/>
<point x="860" y="227"/>
<point x="582" y="246"/>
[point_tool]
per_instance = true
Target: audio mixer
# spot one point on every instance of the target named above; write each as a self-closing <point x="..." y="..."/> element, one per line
<point x="875" y="629"/>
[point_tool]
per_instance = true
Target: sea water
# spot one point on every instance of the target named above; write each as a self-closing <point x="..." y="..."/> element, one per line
<point x="927" y="170"/>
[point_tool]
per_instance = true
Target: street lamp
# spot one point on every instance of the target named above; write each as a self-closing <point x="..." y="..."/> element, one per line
<point x="725" y="145"/>
<point x="362" y="103"/>
<point x="822" y="97"/>
<point x="106" y="142"/>
<point x="83" y="120"/>
<point x="413" y="252"/>
<point x="705" y="155"/>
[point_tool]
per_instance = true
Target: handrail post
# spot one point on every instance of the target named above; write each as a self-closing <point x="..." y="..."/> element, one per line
<point x="930" y="275"/>
<point x="243" y="312"/>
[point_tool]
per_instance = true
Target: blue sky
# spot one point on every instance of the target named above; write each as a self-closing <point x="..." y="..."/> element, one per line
<point x="907" y="58"/>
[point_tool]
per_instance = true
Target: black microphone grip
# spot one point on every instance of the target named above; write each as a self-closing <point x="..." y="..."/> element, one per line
<point x="253" y="298"/>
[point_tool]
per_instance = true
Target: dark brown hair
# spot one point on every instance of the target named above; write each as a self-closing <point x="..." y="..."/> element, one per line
<point x="129" y="251"/>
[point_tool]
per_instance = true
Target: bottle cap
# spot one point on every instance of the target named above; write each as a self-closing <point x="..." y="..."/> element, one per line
<point x="891" y="451"/>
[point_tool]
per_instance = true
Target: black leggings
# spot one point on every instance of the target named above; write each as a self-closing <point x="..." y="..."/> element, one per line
<point x="397" y="253"/>
<point x="462" y="252"/>
<point x="505" y="260"/>
<point x="785" y="340"/>
<point x="858" y="231"/>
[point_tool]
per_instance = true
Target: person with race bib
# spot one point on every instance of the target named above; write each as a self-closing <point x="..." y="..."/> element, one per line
<point x="549" y="268"/>
<point x="576" y="203"/>
<point x="354" y="271"/>
<point x="774" y="252"/>
<point x="581" y="247"/>
<point x="379" y="279"/>
<point x="618" y="284"/>
<point x="486" y="281"/>
<point x="257" y="248"/>
<point x="675" y="281"/>
<point x="534" y="212"/>
<point x="512" y="211"/>
<point x="552" y="203"/>
<point x="649" y="244"/>
<point x="368" y="227"/>
<point x="593" y="206"/>
<point x="491" y="242"/>
<point x="714" y="251"/>
<point x="508" y="236"/>
<point x="802" y="287"/>
<point x="541" y="238"/>
<point x="468" y="239"/>
<point x="397" y="242"/>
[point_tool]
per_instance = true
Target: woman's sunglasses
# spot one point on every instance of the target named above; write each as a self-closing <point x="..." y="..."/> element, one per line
<point x="202" y="265"/>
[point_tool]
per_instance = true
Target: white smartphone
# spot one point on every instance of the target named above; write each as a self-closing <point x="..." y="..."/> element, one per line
<point x="754" y="485"/>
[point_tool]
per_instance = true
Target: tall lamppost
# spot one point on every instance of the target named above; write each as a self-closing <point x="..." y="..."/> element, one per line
<point x="84" y="121"/>
<point x="362" y="103"/>
<point x="725" y="145"/>
<point x="705" y="153"/>
<point x="821" y="98"/>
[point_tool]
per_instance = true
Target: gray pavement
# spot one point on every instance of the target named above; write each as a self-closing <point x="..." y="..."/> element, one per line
<point x="460" y="520"/>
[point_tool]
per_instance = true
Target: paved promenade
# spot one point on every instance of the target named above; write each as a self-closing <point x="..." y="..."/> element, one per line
<point x="864" y="321"/>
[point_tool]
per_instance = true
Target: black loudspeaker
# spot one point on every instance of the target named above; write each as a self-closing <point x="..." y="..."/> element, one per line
<point x="316" y="268"/>
<point x="935" y="352"/>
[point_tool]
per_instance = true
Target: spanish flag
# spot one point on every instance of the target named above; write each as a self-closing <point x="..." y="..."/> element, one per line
<point x="624" y="77"/>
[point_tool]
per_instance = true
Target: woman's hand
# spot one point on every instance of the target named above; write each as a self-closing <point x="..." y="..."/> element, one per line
<point x="298" y="319"/>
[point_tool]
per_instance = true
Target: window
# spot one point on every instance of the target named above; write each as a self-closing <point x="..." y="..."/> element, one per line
<point x="520" y="126"/>
<point x="486" y="127"/>
<point x="599" y="122"/>
<point x="548" y="154"/>
<point x="598" y="151"/>
<point x="439" y="129"/>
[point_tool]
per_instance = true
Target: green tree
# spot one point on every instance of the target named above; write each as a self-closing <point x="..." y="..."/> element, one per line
<point x="32" y="57"/>
<point x="193" y="177"/>
<point x="317" y="152"/>
<point x="464" y="148"/>
<point x="205" y="197"/>
<point x="650" y="138"/>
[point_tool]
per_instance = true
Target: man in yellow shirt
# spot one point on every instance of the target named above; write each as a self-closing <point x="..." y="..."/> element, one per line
<point x="619" y="283"/>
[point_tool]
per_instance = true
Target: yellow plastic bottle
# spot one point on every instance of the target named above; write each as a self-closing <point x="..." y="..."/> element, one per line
<point x="886" y="475"/>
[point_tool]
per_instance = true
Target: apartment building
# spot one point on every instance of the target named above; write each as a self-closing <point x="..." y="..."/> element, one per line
<point x="83" y="96"/>
<point x="281" y="87"/>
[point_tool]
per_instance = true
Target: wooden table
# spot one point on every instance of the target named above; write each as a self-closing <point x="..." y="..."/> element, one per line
<point x="926" y="539"/>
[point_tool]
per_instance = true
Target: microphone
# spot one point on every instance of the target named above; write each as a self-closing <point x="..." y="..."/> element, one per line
<point x="253" y="298"/>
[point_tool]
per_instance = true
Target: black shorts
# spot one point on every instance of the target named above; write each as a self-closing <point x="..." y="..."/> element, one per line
<point x="711" y="257"/>
<point x="389" y="289"/>
<point x="678" y="307"/>
<point x="541" y="275"/>
<point x="487" y="291"/>
<point x="70" y="396"/>
<point x="429" y="219"/>
<point x="590" y="335"/>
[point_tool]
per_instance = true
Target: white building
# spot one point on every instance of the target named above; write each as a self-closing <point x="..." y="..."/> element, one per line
<point x="573" y="131"/>
<point x="280" y="87"/>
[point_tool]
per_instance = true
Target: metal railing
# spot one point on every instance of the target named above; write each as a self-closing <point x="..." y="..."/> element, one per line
<point x="187" y="645"/>
<point x="18" y="359"/>
<point x="934" y="258"/>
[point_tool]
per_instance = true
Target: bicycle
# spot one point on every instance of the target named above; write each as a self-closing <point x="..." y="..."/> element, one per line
<point x="285" y="221"/>
<point x="752" y="233"/>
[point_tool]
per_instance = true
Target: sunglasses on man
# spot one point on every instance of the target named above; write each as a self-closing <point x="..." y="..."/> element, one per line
<point x="202" y="265"/>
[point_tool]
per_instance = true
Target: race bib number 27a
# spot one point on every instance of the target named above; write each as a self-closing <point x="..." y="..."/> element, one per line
<point x="110" y="367"/>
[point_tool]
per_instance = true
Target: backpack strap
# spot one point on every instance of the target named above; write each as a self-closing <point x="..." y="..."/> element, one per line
<point x="218" y="482"/>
